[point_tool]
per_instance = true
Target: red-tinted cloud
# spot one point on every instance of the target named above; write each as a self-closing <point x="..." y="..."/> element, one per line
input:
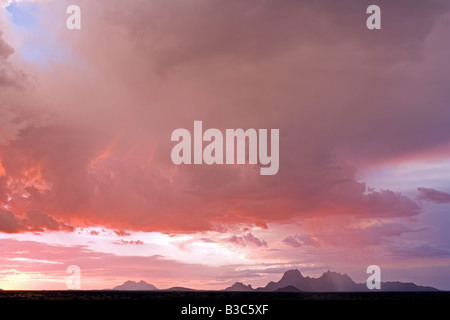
<point x="34" y="221"/>
<point x="90" y="144"/>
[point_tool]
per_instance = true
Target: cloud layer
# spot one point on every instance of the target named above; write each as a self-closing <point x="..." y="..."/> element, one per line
<point x="139" y="71"/>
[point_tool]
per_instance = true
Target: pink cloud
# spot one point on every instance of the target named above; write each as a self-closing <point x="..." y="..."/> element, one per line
<point x="5" y="49"/>
<point x="419" y="249"/>
<point x="34" y="221"/>
<point x="300" y="240"/>
<point x="132" y="242"/>
<point x="365" y="236"/>
<point x="90" y="144"/>
<point x="9" y="76"/>
<point x="122" y="233"/>
<point x="433" y="195"/>
<point x="8" y="222"/>
<point x="247" y="240"/>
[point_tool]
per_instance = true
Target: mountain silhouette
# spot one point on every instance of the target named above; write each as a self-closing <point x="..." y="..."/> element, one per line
<point x="294" y="281"/>
<point x="136" y="286"/>
<point x="179" y="289"/>
<point x="404" y="286"/>
<point x="333" y="282"/>
<point x="239" y="287"/>
<point x="288" y="289"/>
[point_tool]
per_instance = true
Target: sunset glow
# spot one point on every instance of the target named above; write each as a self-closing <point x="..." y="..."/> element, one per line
<point x="86" y="118"/>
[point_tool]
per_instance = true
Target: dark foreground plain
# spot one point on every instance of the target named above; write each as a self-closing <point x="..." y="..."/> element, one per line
<point x="227" y="305"/>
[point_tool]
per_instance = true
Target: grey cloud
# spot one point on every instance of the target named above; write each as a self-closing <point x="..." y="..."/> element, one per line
<point x="247" y="240"/>
<point x="34" y="221"/>
<point x="420" y="250"/>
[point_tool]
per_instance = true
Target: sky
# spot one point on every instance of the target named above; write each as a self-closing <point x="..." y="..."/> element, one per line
<point x="86" y="117"/>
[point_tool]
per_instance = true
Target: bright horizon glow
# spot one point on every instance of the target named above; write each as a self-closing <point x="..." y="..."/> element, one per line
<point x="401" y="176"/>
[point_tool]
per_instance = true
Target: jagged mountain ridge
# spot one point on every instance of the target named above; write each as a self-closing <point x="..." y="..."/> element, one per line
<point x="328" y="282"/>
<point x="294" y="281"/>
<point x="332" y="282"/>
<point x="136" y="286"/>
<point x="239" y="287"/>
